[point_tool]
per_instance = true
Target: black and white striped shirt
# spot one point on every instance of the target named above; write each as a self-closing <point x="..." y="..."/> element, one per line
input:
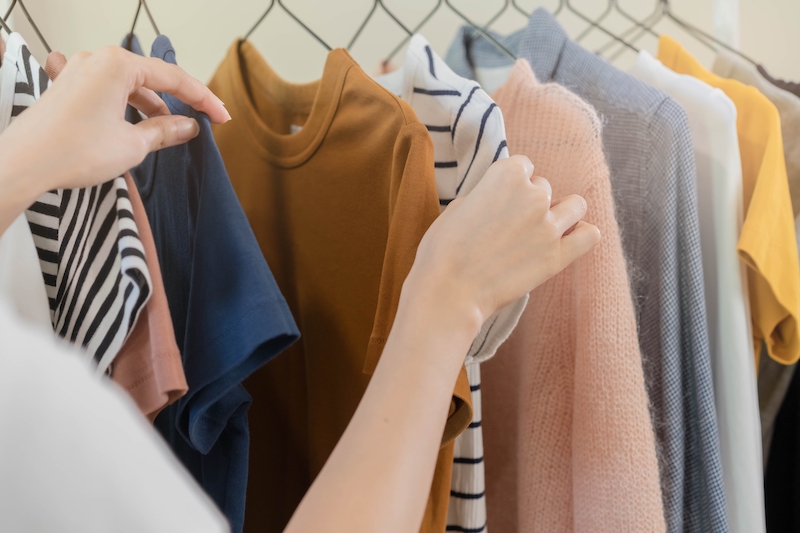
<point x="468" y="135"/>
<point x="92" y="260"/>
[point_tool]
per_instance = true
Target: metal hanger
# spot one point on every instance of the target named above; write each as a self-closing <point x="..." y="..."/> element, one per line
<point x="598" y="20"/>
<point x="136" y="18"/>
<point x="695" y="31"/>
<point x="528" y="15"/>
<point x="280" y="3"/>
<point x="599" y="27"/>
<point x="497" y="15"/>
<point x="369" y="16"/>
<point x="4" y="25"/>
<point x="414" y="31"/>
<point x="481" y="32"/>
<point x="641" y="24"/>
<point x="30" y="20"/>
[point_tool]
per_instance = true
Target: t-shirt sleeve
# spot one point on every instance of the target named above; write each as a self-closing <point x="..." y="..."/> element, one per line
<point x="414" y="206"/>
<point x="237" y="318"/>
<point x="769" y="247"/>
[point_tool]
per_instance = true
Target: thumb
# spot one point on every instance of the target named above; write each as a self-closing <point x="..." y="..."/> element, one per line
<point x="167" y="130"/>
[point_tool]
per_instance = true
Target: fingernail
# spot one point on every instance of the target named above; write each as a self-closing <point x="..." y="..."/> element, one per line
<point x="188" y="129"/>
<point x="229" y="115"/>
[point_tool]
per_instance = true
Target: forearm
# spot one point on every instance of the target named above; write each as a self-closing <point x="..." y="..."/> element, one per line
<point x="379" y="475"/>
<point x="18" y="190"/>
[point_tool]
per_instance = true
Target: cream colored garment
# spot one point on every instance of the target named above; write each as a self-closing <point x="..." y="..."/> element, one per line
<point x="569" y="445"/>
<point x="712" y="120"/>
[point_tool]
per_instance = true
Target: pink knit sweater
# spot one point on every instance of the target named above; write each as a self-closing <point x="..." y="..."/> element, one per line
<point x="569" y="444"/>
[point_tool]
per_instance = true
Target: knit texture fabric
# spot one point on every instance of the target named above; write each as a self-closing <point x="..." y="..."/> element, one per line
<point x="569" y="444"/>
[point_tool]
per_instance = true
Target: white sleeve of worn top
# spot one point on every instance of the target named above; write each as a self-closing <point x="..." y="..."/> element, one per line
<point x="76" y="455"/>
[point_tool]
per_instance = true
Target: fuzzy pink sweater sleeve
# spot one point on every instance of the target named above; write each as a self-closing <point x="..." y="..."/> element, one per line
<point x="569" y="445"/>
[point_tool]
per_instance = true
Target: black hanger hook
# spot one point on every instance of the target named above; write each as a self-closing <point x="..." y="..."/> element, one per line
<point x="30" y="21"/>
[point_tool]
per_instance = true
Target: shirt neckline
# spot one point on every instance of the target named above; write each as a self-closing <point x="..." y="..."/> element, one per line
<point x="248" y="71"/>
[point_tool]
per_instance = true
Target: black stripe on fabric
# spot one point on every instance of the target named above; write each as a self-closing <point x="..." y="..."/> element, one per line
<point x="123" y="193"/>
<point x="485" y="338"/>
<point x="144" y="292"/>
<point x="99" y="280"/>
<point x="436" y="92"/>
<point x="124" y="213"/>
<point x="437" y="128"/>
<point x="52" y="304"/>
<point x="44" y="209"/>
<point x="477" y="143"/>
<point x="47" y="256"/>
<point x="467" y="460"/>
<point x="462" y="529"/>
<point x="78" y="246"/>
<point x="102" y="313"/>
<point x="128" y="252"/>
<point x="430" y="60"/>
<point x="27" y="87"/>
<point x="503" y="144"/>
<point x="467" y="495"/>
<point x="43" y="231"/>
<point x="473" y="425"/>
<point x="445" y="164"/>
<point x="49" y="279"/>
<point x="112" y="331"/>
<point x="127" y="233"/>
<point x="445" y="201"/>
<point x="75" y="286"/>
<point x="461" y="110"/>
<point x="473" y="388"/>
<point x="17" y="110"/>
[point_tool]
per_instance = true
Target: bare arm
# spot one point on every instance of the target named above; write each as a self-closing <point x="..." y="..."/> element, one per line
<point x="487" y="250"/>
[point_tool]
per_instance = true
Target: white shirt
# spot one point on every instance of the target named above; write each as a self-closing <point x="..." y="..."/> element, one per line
<point x="76" y="455"/>
<point x="468" y="135"/>
<point x="712" y="120"/>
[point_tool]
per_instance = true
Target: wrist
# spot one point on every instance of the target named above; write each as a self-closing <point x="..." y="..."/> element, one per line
<point x="433" y="307"/>
<point x="18" y="190"/>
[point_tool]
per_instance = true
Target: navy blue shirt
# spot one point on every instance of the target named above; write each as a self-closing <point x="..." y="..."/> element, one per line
<point x="229" y="316"/>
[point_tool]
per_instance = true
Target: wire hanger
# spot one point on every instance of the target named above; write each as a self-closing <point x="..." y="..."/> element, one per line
<point x="413" y="32"/>
<point x="694" y="30"/>
<point x="30" y="20"/>
<point x="555" y="12"/>
<point x="641" y="24"/>
<point x="497" y="15"/>
<point x="141" y="3"/>
<point x="598" y="20"/>
<point x="280" y="3"/>
<point x="371" y="12"/>
<point x="4" y="25"/>
<point x="481" y="32"/>
<point x="599" y="27"/>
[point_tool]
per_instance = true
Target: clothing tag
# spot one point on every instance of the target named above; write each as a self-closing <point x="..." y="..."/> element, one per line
<point x="294" y="128"/>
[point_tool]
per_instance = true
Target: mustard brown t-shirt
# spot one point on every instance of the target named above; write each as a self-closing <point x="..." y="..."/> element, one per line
<point x="337" y="180"/>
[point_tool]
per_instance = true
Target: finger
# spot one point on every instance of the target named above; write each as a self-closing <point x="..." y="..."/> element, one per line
<point x="161" y="76"/>
<point x="544" y="185"/>
<point x="568" y="211"/>
<point x="524" y="161"/>
<point x="583" y="238"/>
<point x="166" y="130"/>
<point x="148" y="102"/>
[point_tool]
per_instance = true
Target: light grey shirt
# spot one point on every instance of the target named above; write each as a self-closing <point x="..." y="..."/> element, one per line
<point x="649" y="150"/>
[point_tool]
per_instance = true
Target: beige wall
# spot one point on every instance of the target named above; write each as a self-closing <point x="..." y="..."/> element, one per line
<point x="202" y="30"/>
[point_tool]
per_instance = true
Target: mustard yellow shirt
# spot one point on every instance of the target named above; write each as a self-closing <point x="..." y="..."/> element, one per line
<point x="767" y="243"/>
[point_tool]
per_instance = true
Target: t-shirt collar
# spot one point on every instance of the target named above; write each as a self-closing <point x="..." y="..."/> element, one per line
<point x="542" y="42"/>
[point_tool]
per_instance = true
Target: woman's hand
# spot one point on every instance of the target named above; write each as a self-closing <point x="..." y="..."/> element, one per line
<point x="498" y="243"/>
<point x="76" y="134"/>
